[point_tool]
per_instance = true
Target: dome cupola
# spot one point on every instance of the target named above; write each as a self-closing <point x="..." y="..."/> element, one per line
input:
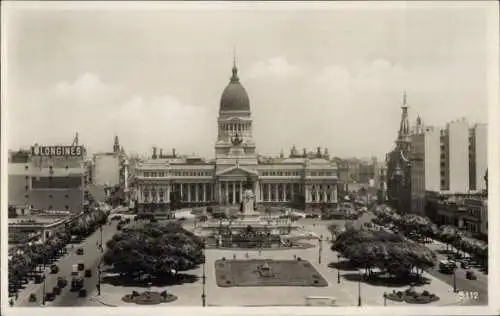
<point x="234" y="97"/>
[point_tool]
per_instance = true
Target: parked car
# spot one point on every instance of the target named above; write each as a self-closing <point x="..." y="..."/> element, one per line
<point x="49" y="297"/>
<point x="88" y="273"/>
<point x="470" y="275"/>
<point x="61" y="282"/>
<point x="39" y="278"/>
<point x="81" y="266"/>
<point x="464" y="265"/>
<point x="56" y="290"/>
<point x="80" y="251"/>
<point x="54" y="269"/>
<point x="82" y="293"/>
<point x="116" y="218"/>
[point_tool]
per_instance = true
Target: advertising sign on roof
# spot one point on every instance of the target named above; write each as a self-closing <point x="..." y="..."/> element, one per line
<point x="57" y="151"/>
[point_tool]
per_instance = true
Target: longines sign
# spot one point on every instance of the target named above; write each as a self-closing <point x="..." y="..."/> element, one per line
<point x="57" y="151"/>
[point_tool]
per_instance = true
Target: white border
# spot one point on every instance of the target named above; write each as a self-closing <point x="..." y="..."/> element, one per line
<point x="493" y="159"/>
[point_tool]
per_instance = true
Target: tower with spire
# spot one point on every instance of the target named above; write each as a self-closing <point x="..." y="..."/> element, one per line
<point x="399" y="165"/>
<point x="116" y="145"/>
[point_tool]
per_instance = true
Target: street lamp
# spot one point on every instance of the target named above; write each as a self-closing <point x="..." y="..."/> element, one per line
<point x="99" y="279"/>
<point x="320" y="248"/>
<point x="454" y="280"/>
<point x="203" y="294"/>
<point x="338" y="268"/>
<point x="359" y="288"/>
<point x="44" y="288"/>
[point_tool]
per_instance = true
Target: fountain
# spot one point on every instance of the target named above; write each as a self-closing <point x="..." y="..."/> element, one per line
<point x="250" y="228"/>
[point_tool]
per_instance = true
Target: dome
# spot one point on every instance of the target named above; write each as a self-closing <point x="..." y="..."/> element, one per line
<point x="234" y="97"/>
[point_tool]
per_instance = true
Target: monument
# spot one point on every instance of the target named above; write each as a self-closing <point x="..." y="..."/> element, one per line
<point x="250" y="229"/>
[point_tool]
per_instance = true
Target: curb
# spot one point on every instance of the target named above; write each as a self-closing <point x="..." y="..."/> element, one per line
<point x="95" y="299"/>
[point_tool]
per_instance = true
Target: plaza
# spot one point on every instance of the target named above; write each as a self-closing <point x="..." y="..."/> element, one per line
<point x="344" y="293"/>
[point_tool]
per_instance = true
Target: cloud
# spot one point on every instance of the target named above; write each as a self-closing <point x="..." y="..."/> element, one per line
<point x="276" y="67"/>
<point x="97" y="110"/>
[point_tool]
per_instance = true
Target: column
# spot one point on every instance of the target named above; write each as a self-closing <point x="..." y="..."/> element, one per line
<point x="241" y="191"/>
<point x="226" y="191"/>
<point x="307" y="193"/>
<point x="233" y="186"/>
<point x="168" y="192"/>
<point x="268" y="192"/>
<point x="335" y="193"/>
<point x="292" y="190"/>
<point x="324" y="193"/>
<point x="189" y="192"/>
<point x="196" y="193"/>
<point x="219" y="190"/>
<point x="205" y="192"/>
<point x="284" y="191"/>
<point x="276" y="191"/>
<point x="182" y="193"/>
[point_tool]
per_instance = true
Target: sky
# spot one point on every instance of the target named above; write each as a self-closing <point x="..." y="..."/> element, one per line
<point x="326" y="76"/>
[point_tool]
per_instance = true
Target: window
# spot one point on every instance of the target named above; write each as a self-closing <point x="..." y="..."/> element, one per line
<point x="27" y="188"/>
<point x="50" y="196"/>
<point x="27" y="196"/>
<point x="26" y="167"/>
<point x="66" y="196"/>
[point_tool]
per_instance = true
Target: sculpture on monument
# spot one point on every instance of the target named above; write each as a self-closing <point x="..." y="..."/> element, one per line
<point x="248" y="203"/>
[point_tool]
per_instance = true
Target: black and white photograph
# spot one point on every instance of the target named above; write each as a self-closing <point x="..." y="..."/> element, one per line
<point x="239" y="154"/>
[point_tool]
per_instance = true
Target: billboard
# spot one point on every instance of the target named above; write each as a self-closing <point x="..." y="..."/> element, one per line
<point x="57" y="151"/>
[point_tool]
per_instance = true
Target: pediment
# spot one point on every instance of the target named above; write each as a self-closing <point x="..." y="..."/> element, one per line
<point x="237" y="172"/>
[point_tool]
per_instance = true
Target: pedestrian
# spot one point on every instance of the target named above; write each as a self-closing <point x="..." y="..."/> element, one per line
<point x="234" y="256"/>
<point x="11" y="303"/>
<point x="17" y="296"/>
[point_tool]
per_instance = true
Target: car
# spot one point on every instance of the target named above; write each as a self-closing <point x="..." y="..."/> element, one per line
<point x="88" y="273"/>
<point x="39" y="278"/>
<point x="54" y="269"/>
<point x="80" y="251"/>
<point x="49" y="297"/>
<point x="82" y="293"/>
<point x="81" y="266"/>
<point x="56" y="290"/>
<point x="61" y="282"/>
<point x="470" y="275"/>
<point x="464" y="265"/>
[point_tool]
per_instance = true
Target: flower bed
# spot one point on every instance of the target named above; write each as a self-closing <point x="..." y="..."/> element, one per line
<point x="149" y="298"/>
<point x="410" y="296"/>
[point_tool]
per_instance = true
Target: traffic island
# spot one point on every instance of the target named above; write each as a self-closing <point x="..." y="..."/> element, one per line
<point x="256" y="272"/>
<point x="149" y="298"/>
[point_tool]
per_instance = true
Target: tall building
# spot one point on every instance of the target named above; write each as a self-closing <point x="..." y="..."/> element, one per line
<point x="108" y="166"/>
<point x="455" y="157"/>
<point x="478" y="156"/>
<point x="302" y="179"/>
<point x="425" y="170"/>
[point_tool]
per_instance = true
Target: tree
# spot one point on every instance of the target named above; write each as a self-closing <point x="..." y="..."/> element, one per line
<point x="352" y="237"/>
<point x="155" y="249"/>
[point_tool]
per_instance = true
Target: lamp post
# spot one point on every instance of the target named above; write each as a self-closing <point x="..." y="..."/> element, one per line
<point x="320" y="248"/>
<point x="359" y="288"/>
<point x="338" y="268"/>
<point x="44" y="283"/>
<point x="385" y="299"/>
<point x="203" y="294"/>
<point x="100" y="245"/>
<point x="99" y="279"/>
<point x="454" y="280"/>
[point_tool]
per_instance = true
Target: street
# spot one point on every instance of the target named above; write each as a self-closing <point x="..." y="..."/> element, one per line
<point x="90" y="258"/>
<point x="468" y="287"/>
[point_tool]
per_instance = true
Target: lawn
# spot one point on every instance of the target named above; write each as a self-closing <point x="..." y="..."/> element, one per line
<point x="231" y="273"/>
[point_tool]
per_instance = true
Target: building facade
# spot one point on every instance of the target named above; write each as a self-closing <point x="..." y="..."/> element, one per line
<point x="48" y="182"/>
<point x="425" y="171"/>
<point x="455" y="157"/>
<point x="300" y="180"/>
<point x="478" y="156"/>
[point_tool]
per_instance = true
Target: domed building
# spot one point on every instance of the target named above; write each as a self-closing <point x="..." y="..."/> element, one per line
<point x="307" y="180"/>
